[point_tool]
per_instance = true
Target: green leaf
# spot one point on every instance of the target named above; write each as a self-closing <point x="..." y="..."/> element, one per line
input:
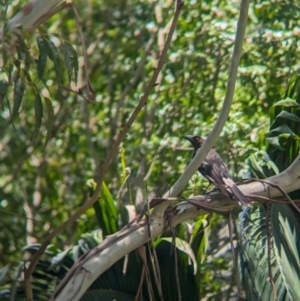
<point x="182" y="246"/>
<point x="42" y="60"/>
<point x="38" y="108"/>
<point x="271" y="165"/>
<point x="55" y="58"/>
<point x="288" y="102"/>
<point x="109" y="211"/>
<point x="286" y="229"/>
<point x="286" y="115"/>
<point x="19" y="89"/>
<point x="199" y="239"/>
<point x="274" y="141"/>
<point x="284" y="129"/>
<point x="3" y="89"/>
<point x="284" y="259"/>
<point x="22" y="48"/>
<point x="50" y="119"/>
<point x="255" y="167"/>
<point x="71" y="59"/>
<point x="3" y="274"/>
<point x="187" y="280"/>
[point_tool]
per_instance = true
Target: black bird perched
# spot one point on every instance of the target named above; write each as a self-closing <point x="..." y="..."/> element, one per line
<point x="214" y="169"/>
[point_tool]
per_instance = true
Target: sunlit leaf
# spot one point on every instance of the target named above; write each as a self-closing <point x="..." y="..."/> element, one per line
<point x="109" y="214"/>
<point x="288" y="102"/>
<point x="273" y="166"/>
<point x="255" y="167"/>
<point x="275" y="142"/>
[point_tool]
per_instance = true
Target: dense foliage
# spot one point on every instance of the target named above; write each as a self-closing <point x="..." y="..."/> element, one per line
<point x="53" y="141"/>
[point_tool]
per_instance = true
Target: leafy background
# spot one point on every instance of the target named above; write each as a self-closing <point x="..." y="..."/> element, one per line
<point x="53" y="141"/>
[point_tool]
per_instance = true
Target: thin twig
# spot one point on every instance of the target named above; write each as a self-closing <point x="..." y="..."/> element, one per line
<point x="90" y="91"/>
<point x="122" y="185"/>
<point x="139" y="291"/>
<point x="281" y="190"/>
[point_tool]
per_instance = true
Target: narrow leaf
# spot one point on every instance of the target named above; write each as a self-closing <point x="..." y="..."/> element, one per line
<point x="71" y="59"/>
<point x="19" y="89"/>
<point x="41" y="63"/>
<point x="38" y="108"/>
<point x="109" y="210"/>
<point x="255" y="167"/>
<point x="3" y="274"/>
<point x="50" y="119"/>
<point x="271" y="165"/>
<point x="3" y="89"/>
<point x="54" y="57"/>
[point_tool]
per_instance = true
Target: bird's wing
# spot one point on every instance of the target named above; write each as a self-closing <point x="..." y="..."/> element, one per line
<point x="211" y="173"/>
<point x="236" y="192"/>
<point x="215" y="170"/>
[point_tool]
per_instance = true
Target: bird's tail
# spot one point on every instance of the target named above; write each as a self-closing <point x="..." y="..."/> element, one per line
<point x="237" y="193"/>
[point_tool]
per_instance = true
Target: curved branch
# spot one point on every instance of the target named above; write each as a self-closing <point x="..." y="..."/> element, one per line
<point x="116" y="246"/>
<point x="198" y="159"/>
<point x="288" y="180"/>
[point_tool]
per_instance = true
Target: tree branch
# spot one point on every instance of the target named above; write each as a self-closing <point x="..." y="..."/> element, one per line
<point x="198" y="159"/>
<point x="93" y="264"/>
<point x="31" y="13"/>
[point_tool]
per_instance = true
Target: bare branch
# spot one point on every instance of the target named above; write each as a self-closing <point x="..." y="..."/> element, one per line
<point x="135" y="234"/>
<point x="193" y="166"/>
<point x="32" y="12"/>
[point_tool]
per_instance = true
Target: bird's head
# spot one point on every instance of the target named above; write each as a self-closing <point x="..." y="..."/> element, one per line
<point x="196" y="141"/>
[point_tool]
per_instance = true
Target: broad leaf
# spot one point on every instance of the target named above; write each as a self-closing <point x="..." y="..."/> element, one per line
<point x="286" y="229"/>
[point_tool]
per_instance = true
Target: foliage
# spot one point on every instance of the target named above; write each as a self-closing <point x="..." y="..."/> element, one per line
<point x="284" y="254"/>
<point x="270" y="237"/>
<point x="52" y="141"/>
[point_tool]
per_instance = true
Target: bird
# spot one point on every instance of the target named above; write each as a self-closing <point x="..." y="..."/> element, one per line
<point x="214" y="169"/>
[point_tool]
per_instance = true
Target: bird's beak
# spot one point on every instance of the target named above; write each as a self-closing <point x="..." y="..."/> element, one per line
<point x="189" y="138"/>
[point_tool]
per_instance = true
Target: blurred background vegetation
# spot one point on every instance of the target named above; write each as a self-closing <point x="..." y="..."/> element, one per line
<point x="52" y="141"/>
